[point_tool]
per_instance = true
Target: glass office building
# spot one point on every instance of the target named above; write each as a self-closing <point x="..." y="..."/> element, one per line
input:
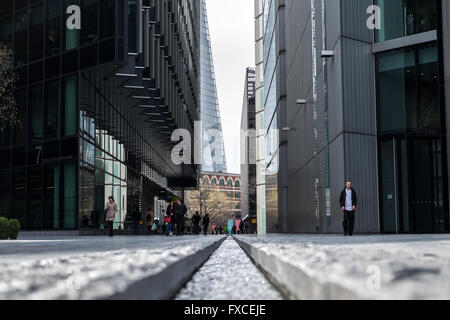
<point x="375" y="113"/>
<point x="97" y="108"/>
<point x="213" y="148"/>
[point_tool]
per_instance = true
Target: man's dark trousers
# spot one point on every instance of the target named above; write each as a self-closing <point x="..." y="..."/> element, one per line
<point x="349" y="222"/>
<point x="180" y="226"/>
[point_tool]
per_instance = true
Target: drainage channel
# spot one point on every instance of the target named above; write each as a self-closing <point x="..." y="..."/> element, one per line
<point x="229" y="274"/>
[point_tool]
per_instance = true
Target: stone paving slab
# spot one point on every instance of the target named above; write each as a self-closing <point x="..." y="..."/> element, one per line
<point x="229" y="275"/>
<point x="99" y="267"/>
<point x="410" y="267"/>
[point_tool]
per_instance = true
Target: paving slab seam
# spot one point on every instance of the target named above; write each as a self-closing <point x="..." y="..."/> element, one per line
<point x="294" y="283"/>
<point x="167" y="283"/>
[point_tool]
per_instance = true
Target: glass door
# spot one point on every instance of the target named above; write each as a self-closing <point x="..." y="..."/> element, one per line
<point x="426" y="191"/>
<point x="411" y="183"/>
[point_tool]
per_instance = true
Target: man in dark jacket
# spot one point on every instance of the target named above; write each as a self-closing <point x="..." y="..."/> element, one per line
<point x="348" y="201"/>
<point x="180" y="212"/>
<point x="241" y="227"/>
<point x="205" y="224"/>
<point x="196" y="222"/>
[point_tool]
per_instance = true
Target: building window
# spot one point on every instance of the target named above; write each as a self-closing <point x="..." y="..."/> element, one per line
<point x="36" y="32"/>
<point x="53" y="28"/>
<point x="89" y="31"/>
<point x="21" y="38"/>
<point x="408" y="90"/>
<point x="69" y="205"/>
<point x="36" y="113"/>
<point x="70" y="106"/>
<point x="400" y="18"/>
<point x="52" y="109"/>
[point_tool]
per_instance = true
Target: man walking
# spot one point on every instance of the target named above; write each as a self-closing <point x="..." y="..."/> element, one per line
<point x="180" y="211"/>
<point x="205" y="223"/>
<point x="196" y="222"/>
<point x="348" y="201"/>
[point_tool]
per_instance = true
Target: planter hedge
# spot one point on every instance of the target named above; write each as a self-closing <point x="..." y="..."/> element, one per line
<point x="13" y="229"/>
<point x="9" y="229"/>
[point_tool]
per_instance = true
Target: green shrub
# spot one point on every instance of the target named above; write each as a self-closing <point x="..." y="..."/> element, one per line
<point x="13" y="229"/>
<point x="4" y="227"/>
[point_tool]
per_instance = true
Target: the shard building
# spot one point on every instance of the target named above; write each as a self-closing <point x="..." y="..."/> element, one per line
<point x="213" y="150"/>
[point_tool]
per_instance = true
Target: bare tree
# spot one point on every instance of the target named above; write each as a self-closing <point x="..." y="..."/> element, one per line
<point x="211" y="201"/>
<point x="8" y="107"/>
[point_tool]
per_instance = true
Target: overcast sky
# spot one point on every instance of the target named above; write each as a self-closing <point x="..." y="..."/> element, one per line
<point x="231" y="28"/>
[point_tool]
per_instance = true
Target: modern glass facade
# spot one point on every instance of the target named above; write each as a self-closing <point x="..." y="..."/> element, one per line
<point x="373" y="114"/>
<point x="248" y="152"/>
<point x="259" y="118"/>
<point x="411" y="125"/>
<point x="271" y="120"/>
<point x="96" y="108"/>
<point x="213" y="148"/>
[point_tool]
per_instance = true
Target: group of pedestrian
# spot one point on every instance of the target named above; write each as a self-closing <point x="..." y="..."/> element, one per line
<point x="196" y="223"/>
<point x="176" y="212"/>
<point x="174" y="219"/>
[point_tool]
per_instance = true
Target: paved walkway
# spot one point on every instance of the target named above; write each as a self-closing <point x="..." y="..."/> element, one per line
<point x="359" y="267"/>
<point x="87" y="267"/>
<point x="229" y="275"/>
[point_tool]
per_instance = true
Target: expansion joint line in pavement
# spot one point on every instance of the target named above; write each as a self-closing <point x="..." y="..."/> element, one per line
<point x="216" y="279"/>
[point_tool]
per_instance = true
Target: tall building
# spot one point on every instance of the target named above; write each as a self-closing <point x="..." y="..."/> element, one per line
<point x="248" y="152"/>
<point x="361" y="100"/>
<point x="98" y="106"/>
<point x="213" y="148"/>
<point x="259" y="118"/>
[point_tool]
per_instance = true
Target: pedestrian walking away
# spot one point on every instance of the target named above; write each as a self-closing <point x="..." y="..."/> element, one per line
<point x="205" y="223"/>
<point x="348" y="201"/>
<point x="196" y="222"/>
<point x="241" y="227"/>
<point x="180" y="212"/>
<point x="110" y="215"/>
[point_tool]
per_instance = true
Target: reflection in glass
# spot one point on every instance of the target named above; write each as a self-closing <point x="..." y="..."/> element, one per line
<point x="70" y="204"/>
<point x="52" y="106"/>
<point x="19" y="203"/>
<point x="53" y="28"/>
<point x="408" y="91"/>
<point x="37" y="113"/>
<point x="36" y="32"/>
<point x="70" y="106"/>
<point x="20" y="38"/>
<point x="89" y="16"/>
<point x="401" y="18"/>
<point x="51" y="197"/>
<point x="34" y="214"/>
<point x="5" y="201"/>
